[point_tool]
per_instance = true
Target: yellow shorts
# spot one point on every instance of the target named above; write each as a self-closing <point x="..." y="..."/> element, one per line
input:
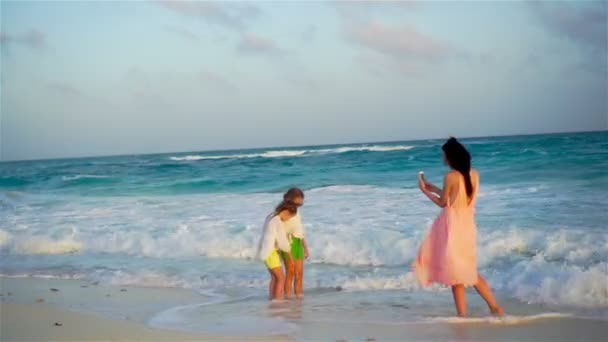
<point x="273" y="261"/>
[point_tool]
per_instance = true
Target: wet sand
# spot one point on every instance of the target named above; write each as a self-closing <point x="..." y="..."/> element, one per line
<point x="61" y="310"/>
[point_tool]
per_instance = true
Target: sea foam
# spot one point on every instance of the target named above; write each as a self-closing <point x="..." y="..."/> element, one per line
<point x="366" y="242"/>
<point x="295" y="153"/>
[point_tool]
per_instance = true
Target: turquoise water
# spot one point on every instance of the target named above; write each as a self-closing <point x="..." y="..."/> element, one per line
<point x="193" y="219"/>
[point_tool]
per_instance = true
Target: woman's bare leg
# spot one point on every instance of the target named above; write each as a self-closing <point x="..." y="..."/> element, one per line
<point x="459" y="300"/>
<point x="299" y="275"/>
<point x="279" y="282"/>
<point x="289" y="275"/>
<point x="485" y="292"/>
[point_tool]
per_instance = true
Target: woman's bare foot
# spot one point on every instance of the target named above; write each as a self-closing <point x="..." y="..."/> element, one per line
<point x="497" y="311"/>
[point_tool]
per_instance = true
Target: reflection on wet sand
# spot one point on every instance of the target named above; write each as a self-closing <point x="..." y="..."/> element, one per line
<point x="286" y="309"/>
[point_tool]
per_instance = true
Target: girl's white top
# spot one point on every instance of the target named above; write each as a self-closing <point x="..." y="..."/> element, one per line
<point x="273" y="237"/>
<point x="294" y="227"/>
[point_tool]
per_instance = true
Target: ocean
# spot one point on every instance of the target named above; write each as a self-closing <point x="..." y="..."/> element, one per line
<point x="193" y="220"/>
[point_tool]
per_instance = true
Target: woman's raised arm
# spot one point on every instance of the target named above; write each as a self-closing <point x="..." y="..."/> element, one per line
<point x="440" y="197"/>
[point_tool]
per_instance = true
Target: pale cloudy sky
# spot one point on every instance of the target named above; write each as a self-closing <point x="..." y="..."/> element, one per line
<point x="96" y="78"/>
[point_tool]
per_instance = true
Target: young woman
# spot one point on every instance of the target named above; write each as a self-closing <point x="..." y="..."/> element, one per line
<point x="294" y="263"/>
<point x="273" y="238"/>
<point x="448" y="254"/>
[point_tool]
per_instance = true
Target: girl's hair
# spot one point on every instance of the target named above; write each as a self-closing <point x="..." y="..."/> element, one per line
<point x="460" y="160"/>
<point x="292" y="194"/>
<point x="286" y="205"/>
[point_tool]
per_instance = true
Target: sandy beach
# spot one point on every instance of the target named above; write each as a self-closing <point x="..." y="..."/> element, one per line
<point x="72" y="310"/>
<point x="62" y="310"/>
<point x="29" y="322"/>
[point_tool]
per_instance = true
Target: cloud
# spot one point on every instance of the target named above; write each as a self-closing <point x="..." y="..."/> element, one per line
<point x="357" y="10"/>
<point x="71" y="95"/>
<point x="389" y="48"/>
<point x="388" y="66"/>
<point x="33" y="38"/>
<point x="255" y="44"/>
<point x="64" y="89"/>
<point x="303" y="82"/>
<point x="230" y="15"/>
<point x="171" y="86"/>
<point x="217" y="81"/>
<point x="309" y="34"/>
<point x="183" y="33"/>
<point x="399" y="42"/>
<point x="584" y="24"/>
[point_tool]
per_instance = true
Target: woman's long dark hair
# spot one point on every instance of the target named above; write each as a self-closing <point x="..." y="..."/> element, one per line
<point x="460" y="160"/>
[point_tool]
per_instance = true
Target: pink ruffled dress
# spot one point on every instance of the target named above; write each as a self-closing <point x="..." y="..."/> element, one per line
<point x="448" y="254"/>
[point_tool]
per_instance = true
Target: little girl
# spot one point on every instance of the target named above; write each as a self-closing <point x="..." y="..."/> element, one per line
<point x="273" y="237"/>
<point x="294" y="263"/>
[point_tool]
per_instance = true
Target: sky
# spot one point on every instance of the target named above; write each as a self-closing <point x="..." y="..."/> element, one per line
<point x="90" y="78"/>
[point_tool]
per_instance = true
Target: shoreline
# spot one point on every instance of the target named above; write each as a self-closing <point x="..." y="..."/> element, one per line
<point x="30" y="307"/>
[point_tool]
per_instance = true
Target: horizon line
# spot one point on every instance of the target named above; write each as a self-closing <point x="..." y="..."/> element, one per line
<point x="292" y="146"/>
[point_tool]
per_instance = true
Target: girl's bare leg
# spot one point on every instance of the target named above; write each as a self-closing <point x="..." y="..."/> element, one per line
<point x="272" y="285"/>
<point x="485" y="292"/>
<point x="459" y="300"/>
<point x="299" y="275"/>
<point x="279" y="282"/>
<point x="289" y="275"/>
